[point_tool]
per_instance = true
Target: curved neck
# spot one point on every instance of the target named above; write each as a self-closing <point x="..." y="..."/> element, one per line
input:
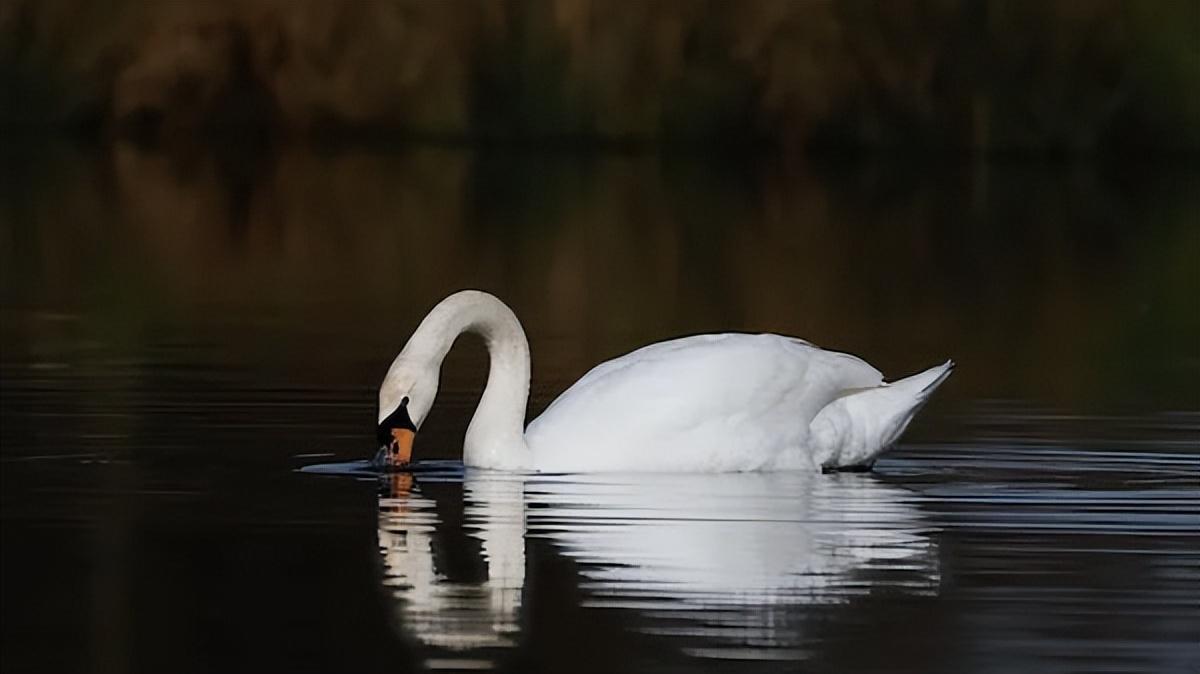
<point x="496" y="436"/>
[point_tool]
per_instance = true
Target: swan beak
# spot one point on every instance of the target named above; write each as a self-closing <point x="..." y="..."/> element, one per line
<point x="400" y="448"/>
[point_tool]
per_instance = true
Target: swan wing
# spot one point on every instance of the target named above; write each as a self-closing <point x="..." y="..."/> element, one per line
<point x="702" y="403"/>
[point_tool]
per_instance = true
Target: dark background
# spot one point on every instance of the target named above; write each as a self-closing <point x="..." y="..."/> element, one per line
<point x="1057" y="78"/>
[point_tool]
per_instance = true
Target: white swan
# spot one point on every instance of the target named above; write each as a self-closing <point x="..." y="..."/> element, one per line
<point x="708" y="403"/>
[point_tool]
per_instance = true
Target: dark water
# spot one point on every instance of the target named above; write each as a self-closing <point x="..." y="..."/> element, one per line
<point x="181" y="335"/>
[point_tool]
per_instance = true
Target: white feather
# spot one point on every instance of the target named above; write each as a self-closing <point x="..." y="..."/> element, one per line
<point x="708" y="403"/>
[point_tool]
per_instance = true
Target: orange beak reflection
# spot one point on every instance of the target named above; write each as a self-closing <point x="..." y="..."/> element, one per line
<point x="400" y="449"/>
<point x="399" y="486"/>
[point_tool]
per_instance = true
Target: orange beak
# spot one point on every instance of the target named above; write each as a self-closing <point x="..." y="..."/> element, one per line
<point x="400" y="449"/>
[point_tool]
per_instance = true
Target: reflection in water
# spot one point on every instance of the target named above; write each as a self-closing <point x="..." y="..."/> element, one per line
<point x="712" y="559"/>
<point x="441" y="611"/>
<point x="601" y="254"/>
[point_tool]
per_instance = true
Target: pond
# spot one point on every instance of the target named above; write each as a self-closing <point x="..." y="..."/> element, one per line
<point x="190" y="343"/>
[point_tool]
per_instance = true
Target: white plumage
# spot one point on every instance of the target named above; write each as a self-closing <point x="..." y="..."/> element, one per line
<point x="708" y="403"/>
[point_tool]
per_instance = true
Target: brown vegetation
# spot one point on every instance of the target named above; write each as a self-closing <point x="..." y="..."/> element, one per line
<point x="1069" y="75"/>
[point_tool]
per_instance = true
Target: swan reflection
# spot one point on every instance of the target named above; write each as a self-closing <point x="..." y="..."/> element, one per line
<point x="443" y="611"/>
<point x="721" y="561"/>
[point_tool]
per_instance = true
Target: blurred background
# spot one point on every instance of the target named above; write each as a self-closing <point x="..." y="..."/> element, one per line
<point x="220" y="220"/>
<point x="819" y="168"/>
<point x="1062" y="77"/>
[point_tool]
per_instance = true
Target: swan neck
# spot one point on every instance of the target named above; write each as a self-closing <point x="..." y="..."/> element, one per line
<point x="496" y="435"/>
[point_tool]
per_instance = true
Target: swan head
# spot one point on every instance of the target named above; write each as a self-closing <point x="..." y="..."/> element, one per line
<point x="405" y="398"/>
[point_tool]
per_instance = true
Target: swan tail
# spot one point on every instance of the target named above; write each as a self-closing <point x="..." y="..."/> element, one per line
<point x="896" y="403"/>
<point x="852" y="431"/>
<point x="922" y="385"/>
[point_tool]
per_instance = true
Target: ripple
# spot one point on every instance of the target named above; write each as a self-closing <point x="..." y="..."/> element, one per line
<point x="737" y="567"/>
<point x="711" y="557"/>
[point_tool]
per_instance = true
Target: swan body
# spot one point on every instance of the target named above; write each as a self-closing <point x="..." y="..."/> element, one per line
<point x="707" y="403"/>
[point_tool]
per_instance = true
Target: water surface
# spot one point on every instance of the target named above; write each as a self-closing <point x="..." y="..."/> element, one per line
<point x="182" y="337"/>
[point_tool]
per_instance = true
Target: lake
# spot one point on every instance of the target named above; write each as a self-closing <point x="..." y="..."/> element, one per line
<point x="190" y="343"/>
